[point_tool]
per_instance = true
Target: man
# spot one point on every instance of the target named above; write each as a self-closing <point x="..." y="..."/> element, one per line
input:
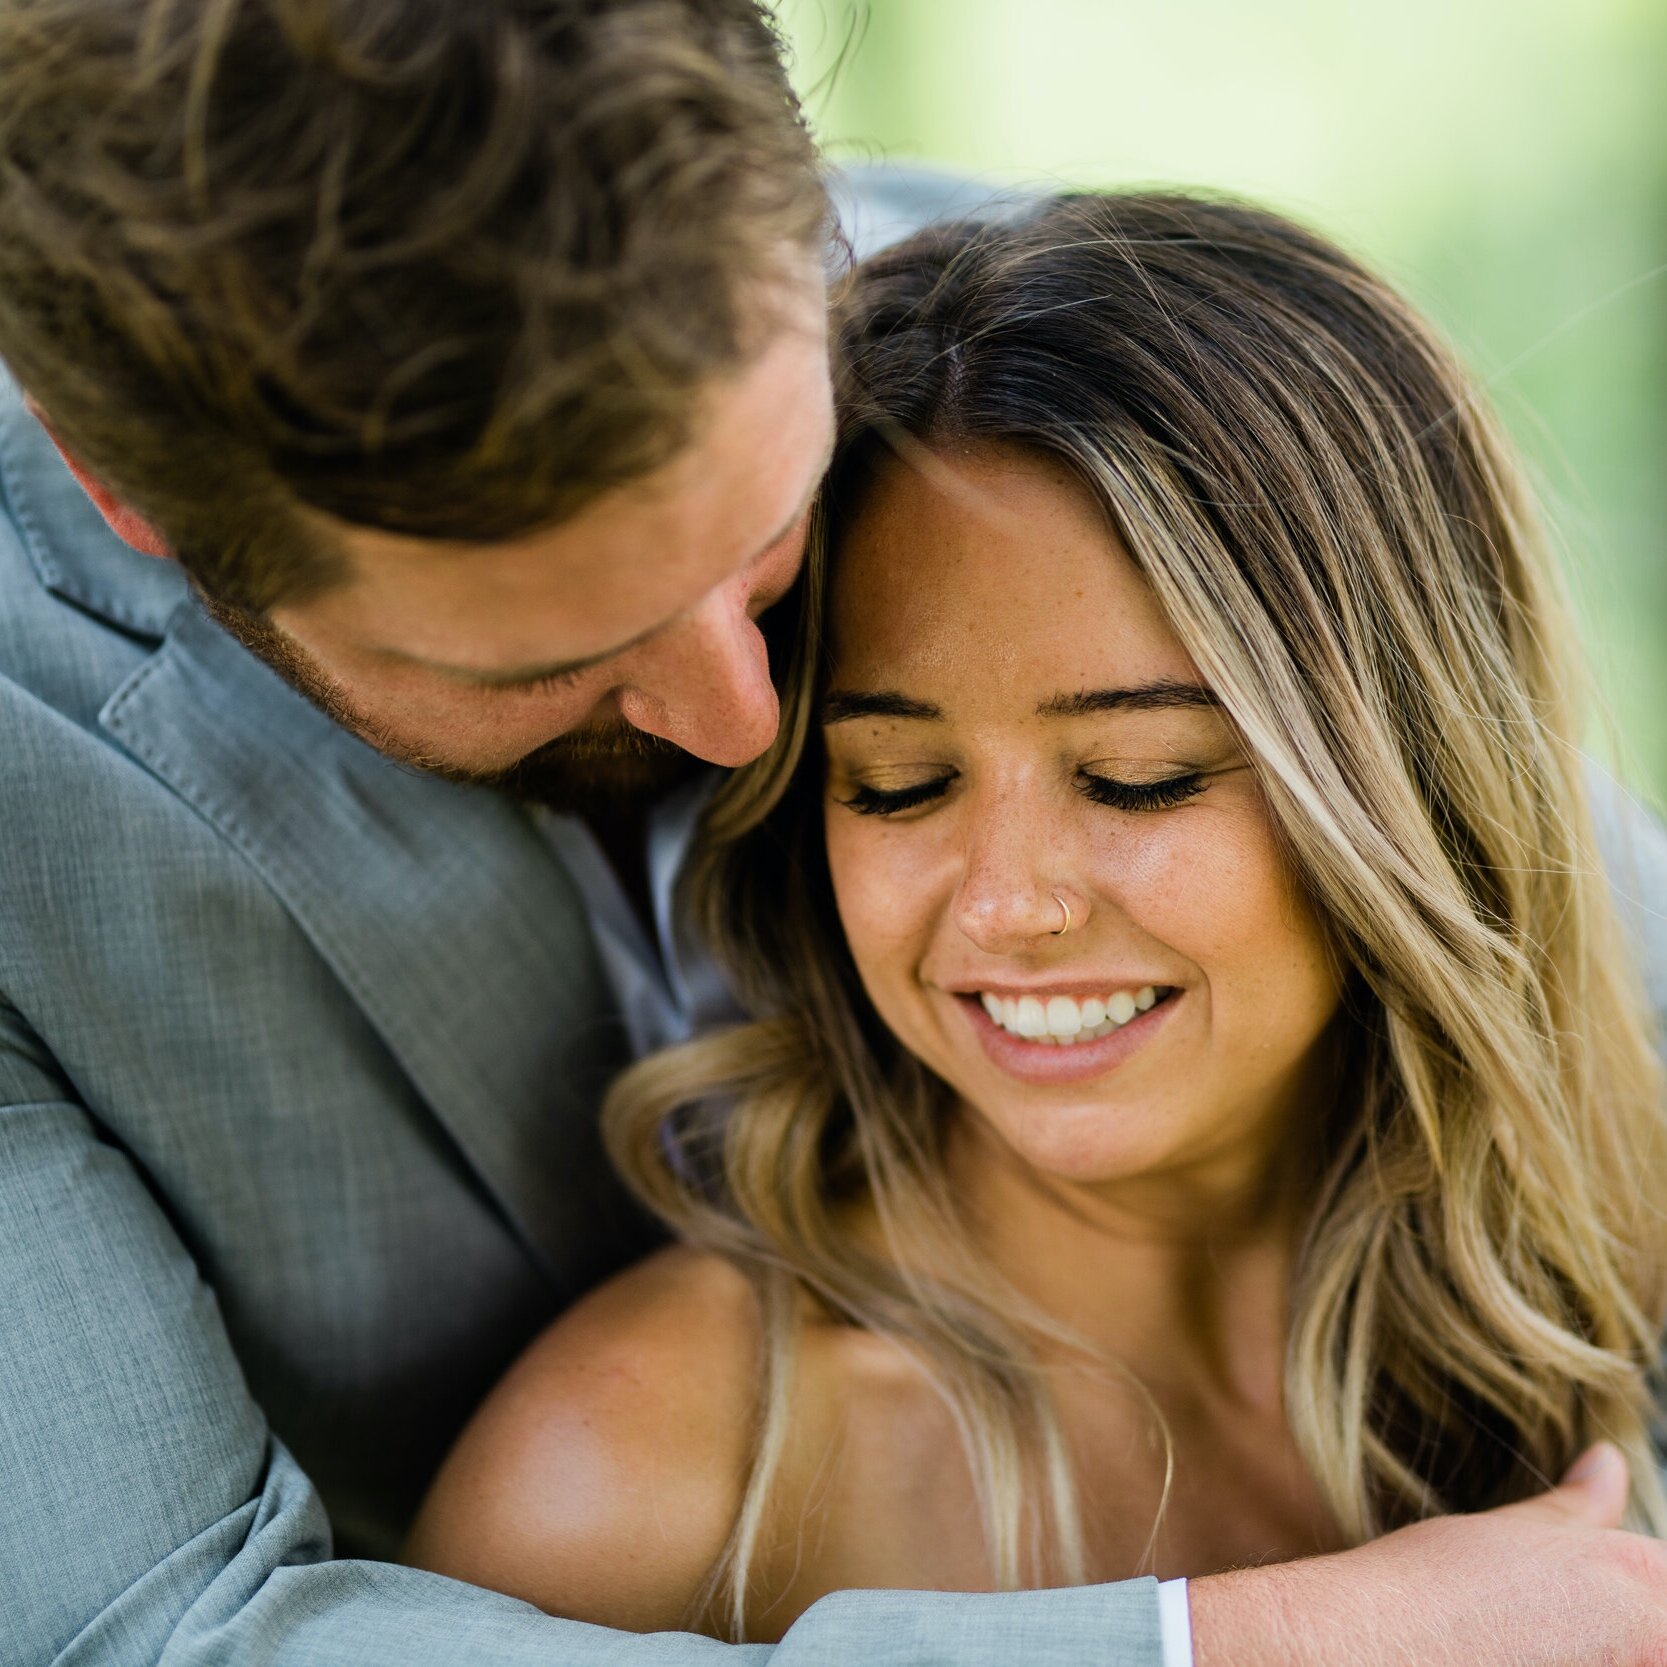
<point x="462" y="370"/>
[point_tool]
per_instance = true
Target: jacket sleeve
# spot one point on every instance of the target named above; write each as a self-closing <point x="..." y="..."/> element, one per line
<point x="1633" y="845"/>
<point x="149" y="1516"/>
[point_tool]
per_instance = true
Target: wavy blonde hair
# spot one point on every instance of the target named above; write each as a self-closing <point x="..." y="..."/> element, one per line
<point x="1339" y="537"/>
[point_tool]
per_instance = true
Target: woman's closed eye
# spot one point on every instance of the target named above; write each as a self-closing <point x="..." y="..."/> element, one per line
<point x="1142" y="795"/>
<point x="881" y="801"/>
<point x="1103" y="790"/>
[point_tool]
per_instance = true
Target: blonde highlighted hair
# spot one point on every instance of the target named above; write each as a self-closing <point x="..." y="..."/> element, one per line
<point x="1337" y="534"/>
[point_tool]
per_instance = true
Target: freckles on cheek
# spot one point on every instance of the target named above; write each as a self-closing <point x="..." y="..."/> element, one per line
<point x="1165" y="878"/>
<point x="1250" y="928"/>
<point x="880" y="904"/>
<point x="1206" y="885"/>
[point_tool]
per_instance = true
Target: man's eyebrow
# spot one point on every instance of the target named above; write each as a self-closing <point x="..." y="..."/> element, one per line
<point x="1158" y="696"/>
<point x="842" y="705"/>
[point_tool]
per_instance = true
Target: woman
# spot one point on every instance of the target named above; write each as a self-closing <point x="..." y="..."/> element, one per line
<point x="1200" y="1110"/>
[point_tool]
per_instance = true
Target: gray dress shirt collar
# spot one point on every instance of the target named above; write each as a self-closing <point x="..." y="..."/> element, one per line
<point x="668" y="986"/>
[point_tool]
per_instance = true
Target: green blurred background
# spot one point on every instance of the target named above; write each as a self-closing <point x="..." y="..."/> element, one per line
<point x="1505" y="161"/>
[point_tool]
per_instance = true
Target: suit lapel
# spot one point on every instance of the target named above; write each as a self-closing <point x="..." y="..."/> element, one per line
<point x="440" y="908"/>
<point x="74" y="553"/>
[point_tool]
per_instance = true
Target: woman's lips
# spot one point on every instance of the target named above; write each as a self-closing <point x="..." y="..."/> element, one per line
<point x="1048" y="1062"/>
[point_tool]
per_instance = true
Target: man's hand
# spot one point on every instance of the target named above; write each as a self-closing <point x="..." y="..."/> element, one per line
<point x="1551" y="1582"/>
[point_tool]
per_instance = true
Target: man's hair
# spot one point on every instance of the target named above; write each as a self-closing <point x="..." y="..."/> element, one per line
<point x="447" y="268"/>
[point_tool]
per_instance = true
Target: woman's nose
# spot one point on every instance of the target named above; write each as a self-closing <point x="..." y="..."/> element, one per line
<point x="1012" y="893"/>
<point x="705" y="684"/>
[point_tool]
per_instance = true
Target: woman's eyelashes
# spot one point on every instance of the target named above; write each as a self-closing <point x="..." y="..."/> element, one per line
<point x="1103" y="790"/>
<point x="876" y="801"/>
<point x="1145" y="795"/>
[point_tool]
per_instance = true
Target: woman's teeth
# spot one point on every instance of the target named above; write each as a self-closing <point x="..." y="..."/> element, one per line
<point x="1060" y="1019"/>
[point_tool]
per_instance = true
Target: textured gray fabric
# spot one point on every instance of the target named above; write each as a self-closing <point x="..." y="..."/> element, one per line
<point x="1634" y="847"/>
<point x="881" y="205"/>
<point x="299" y="1063"/>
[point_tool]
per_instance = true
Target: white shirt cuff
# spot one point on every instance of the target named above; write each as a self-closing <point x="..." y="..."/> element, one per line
<point x="1175" y="1623"/>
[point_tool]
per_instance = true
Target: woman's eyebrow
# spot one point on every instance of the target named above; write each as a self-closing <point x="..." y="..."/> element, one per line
<point x="1156" y="696"/>
<point x="842" y="705"/>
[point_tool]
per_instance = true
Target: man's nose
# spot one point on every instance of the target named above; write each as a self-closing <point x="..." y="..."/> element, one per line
<point x="704" y="685"/>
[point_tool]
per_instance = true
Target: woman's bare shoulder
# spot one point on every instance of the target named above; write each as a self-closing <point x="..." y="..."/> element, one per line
<point x="600" y="1478"/>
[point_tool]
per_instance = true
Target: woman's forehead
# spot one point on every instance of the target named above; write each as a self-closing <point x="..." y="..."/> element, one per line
<point x="992" y="563"/>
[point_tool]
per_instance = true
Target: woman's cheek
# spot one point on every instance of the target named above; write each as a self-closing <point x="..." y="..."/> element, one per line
<point x="1205" y="869"/>
<point x="882" y="903"/>
<point x="1222" y="894"/>
<point x="852" y="897"/>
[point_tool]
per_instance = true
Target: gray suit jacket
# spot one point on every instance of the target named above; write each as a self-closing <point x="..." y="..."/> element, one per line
<point x="299" y="1060"/>
<point x="299" y="1055"/>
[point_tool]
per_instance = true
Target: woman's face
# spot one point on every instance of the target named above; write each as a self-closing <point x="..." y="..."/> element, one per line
<point x="1014" y="731"/>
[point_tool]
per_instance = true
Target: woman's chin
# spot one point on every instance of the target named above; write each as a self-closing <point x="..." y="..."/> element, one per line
<point x="1086" y="1143"/>
<point x="1085" y="1112"/>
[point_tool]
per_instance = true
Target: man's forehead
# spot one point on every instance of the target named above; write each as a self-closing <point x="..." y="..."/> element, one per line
<point x="629" y="561"/>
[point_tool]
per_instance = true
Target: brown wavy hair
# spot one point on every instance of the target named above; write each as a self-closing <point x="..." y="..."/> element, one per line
<point x="1336" y="532"/>
<point x="448" y="268"/>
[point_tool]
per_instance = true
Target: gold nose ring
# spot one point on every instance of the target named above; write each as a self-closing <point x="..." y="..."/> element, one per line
<point x="1060" y="931"/>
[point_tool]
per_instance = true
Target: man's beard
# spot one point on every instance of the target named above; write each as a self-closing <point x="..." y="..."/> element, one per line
<point x="600" y="771"/>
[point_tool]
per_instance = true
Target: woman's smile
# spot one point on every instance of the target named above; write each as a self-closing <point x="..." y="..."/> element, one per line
<point x="1046" y="1038"/>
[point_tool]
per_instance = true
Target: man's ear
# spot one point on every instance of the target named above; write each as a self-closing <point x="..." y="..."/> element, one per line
<point x="127" y="524"/>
